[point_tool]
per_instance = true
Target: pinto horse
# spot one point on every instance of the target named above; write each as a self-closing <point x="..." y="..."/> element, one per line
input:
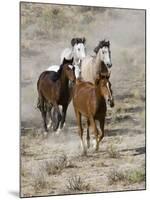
<point x="53" y="90"/>
<point x="90" y="100"/>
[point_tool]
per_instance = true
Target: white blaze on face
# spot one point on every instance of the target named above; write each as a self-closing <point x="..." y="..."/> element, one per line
<point x="79" y="51"/>
<point x="70" y="66"/>
<point x="105" y="56"/>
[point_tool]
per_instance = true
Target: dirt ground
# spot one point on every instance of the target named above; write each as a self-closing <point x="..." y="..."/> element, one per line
<point x="54" y="164"/>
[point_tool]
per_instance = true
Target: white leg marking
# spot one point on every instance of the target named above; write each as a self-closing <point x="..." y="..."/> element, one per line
<point x="45" y="133"/>
<point x="83" y="147"/>
<point x="58" y="131"/>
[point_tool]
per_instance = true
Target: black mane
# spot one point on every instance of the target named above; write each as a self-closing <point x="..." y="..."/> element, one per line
<point x="102" y="44"/>
<point x="77" y="41"/>
<point x="54" y="76"/>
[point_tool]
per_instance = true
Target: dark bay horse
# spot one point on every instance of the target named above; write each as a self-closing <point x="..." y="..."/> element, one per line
<point x="53" y="90"/>
<point x="90" y="100"/>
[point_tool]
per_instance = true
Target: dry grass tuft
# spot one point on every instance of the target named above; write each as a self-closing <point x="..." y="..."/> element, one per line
<point x="128" y="177"/>
<point x="136" y="176"/>
<point x="75" y="183"/>
<point x="115" y="176"/>
<point x="39" y="180"/>
<point x="113" y="152"/>
<point x="55" y="167"/>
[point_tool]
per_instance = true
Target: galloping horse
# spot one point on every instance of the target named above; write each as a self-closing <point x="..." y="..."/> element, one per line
<point x="91" y="65"/>
<point x="53" y="90"/>
<point x="90" y="100"/>
<point x="77" y="52"/>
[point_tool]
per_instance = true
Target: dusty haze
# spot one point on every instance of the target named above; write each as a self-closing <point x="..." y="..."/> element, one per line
<point x="45" y="31"/>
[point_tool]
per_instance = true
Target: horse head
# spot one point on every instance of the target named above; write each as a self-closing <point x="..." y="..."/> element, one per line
<point x="103" y="48"/>
<point x="79" y="50"/>
<point x="69" y="69"/>
<point x="104" y="85"/>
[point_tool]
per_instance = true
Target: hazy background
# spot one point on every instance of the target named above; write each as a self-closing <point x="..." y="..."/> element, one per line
<point x="119" y="164"/>
<point x="47" y="29"/>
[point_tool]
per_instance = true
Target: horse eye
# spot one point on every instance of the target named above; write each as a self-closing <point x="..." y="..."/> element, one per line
<point x="78" y="49"/>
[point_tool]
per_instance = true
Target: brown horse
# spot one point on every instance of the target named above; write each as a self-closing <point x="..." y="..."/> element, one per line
<point x="53" y="90"/>
<point x="90" y="100"/>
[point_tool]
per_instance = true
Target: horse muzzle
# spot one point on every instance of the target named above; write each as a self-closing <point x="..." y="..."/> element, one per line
<point x="111" y="102"/>
<point x="109" y="65"/>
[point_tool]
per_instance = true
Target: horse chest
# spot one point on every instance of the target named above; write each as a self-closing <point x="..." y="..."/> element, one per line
<point x="100" y="108"/>
<point x="63" y="96"/>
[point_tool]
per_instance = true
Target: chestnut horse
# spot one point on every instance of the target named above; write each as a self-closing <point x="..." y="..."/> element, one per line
<point x="90" y="100"/>
<point x="53" y="90"/>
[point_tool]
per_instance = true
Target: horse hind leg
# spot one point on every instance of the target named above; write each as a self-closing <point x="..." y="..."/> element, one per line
<point x="49" y="116"/>
<point x="43" y="112"/>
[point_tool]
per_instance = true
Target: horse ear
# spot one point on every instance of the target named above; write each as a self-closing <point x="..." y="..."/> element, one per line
<point x="83" y="40"/>
<point x="72" y="60"/>
<point x="96" y="49"/>
<point x="107" y="43"/>
<point x="73" y="41"/>
<point x="64" y="60"/>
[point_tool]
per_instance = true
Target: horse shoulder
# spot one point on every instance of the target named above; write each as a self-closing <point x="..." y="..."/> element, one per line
<point x="87" y="69"/>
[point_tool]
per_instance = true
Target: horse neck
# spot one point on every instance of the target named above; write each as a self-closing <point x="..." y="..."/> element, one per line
<point x="76" y="60"/>
<point x="99" y="95"/>
<point x="64" y="80"/>
<point x="98" y="62"/>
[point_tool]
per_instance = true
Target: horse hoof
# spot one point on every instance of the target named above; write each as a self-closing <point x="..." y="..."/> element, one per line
<point x="84" y="153"/>
<point x="58" y="132"/>
<point x="45" y="133"/>
<point x="88" y="145"/>
<point x="94" y="143"/>
<point x="49" y="125"/>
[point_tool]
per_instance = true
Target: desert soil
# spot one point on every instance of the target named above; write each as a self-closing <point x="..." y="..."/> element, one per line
<point x="54" y="164"/>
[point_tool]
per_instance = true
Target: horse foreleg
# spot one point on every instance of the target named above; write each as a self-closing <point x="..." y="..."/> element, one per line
<point x="56" y="118"/>
<point x="101" y="123"/>
<point x="64" y="110"/>
<point x="88" y="135"/>
<point x="79" y="123"/>
<point x="95" y="131"/>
